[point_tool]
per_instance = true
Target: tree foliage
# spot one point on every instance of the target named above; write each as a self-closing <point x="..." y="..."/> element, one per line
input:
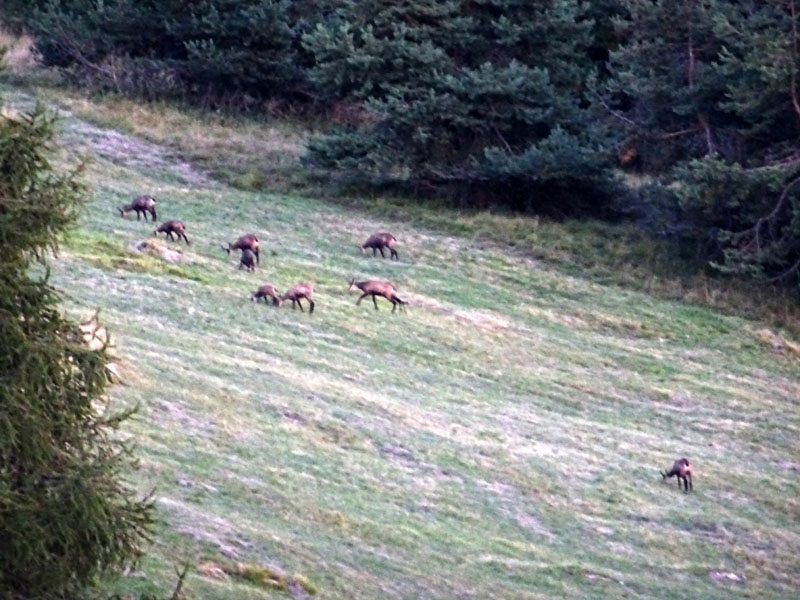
<point x="65" y="515"/>
<point x="708" y="92"/>
<point x="482" y="99"/>
<point x="207" y="51"/>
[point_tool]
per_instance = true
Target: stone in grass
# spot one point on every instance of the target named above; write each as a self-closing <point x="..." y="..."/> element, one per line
<point x="726" y="577"/>
<point x="213" y="571"/>
<point x="158" y="249"/>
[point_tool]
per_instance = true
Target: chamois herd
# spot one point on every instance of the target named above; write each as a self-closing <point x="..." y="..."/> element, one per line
<point x="248" y="244"/>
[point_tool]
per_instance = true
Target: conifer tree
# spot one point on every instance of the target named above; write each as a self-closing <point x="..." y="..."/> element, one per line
<point x="65" y="514"/>
<point x="202" y="51"/>
<point x="708" y="91"/>
<point x="484" y="98"/>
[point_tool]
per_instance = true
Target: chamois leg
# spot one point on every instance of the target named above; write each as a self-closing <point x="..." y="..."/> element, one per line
<point x="394" y="306"/>
<point x="170" y="236"/>
<point x="185" y="238"/>
<point x="374" y="250"/>
<point x="139" y="215"/>
<point x="300" y="304"/>
<point x="310" y="305"/>
<point x="382" y="253"/>
<point x="689" y="476"/>
<point x="364" y="295"/>
<point x="375" y="302"/>
<point x="394" y="254"/>
<point x="258" y="259"/>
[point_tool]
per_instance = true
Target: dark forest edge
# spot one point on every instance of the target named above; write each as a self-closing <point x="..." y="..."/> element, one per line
<point x="545" y="108"/>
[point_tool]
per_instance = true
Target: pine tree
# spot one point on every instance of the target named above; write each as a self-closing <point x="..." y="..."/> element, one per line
<point x="481" y="99"/>
<point x="664" y="81"/>
<point x="65" y="515"/>
<point x="202" y="51"/>
<point x="707" y="90"/>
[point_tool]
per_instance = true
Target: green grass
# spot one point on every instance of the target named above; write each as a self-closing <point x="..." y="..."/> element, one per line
<point x="502" y="439"/>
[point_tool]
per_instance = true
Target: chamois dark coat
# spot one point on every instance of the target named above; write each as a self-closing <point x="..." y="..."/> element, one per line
<point x="173" y="227"/>
<point x="248" y="259"/>
<point x="379" y="241"/>
<point x="266" y="291"/>
<point x="297" y="293"/>
<point x="245" y="242"/>
<point x="377" y="288"/>
<point x="142" y="205"/>
<point x="683" y="471"/>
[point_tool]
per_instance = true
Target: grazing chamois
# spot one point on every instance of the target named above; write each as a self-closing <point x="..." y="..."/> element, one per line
<point x="297" y="293"/>
<point x="266" y="291"/>
<point x="379" y="241"/>
<point x="248" y="259"/>
<point x="245" y="242"/>
<point x="142" y="205"/>
<point x="683" y="470"/>
<point x="173" y="227"/>
<point x="377" y="288"/>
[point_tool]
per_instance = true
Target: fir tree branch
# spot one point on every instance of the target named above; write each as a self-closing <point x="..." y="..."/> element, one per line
<point x="666" y="136"/>
<point x="766" y="220"/>
<point x="794" y="66"/>
<point x="793" y="269"/>
<point x="701" y="118"/>
<point x="502" y="139"/>
<point x="616" y="114"/>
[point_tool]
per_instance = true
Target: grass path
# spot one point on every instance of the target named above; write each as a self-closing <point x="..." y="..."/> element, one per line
<point x="500" y="440"/>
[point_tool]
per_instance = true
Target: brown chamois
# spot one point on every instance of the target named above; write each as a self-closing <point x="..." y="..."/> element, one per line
<point x="267" y="291"/>
<point x="248" y="259"/>
<point x="297" y="293"/>
<point x="245" y="242"/>
<point x="377" y="288"/>
<point x="173" y="227"/>
<point x="142" y="205"/>
<point x="379" y="241"/>
<point x="683" y="470"/>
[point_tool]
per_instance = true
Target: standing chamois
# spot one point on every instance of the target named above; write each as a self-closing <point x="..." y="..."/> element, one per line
<point x="683" y="470"/>
<point x="248" y="259"/>
<point x="297" y="293"/>
<point x="377" y="288"/>
<point x="379" y="241"/>
<point x="266" y="291"/>
<point x="173" y="227"/>
<point x="245" y="242"/>
<point x="142" y="205"/>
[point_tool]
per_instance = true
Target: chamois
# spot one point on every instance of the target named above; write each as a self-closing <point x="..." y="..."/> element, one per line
<point x="245" y="242"/>
<point x="683" y="470"/>
<point x="377" y="288"/>
<point x="379" y="241"/>
<point x="297" y="293"/>
<point x="248" y="259"/>
<point x="266" y="291"/>
<point x="142" y="205"/>
<point x="173" y="227"/>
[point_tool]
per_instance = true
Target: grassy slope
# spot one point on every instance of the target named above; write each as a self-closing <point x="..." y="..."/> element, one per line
<point x="500" y="440"/>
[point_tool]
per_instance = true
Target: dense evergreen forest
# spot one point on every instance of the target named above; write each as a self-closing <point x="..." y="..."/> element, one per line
<point x="539" y="106"/>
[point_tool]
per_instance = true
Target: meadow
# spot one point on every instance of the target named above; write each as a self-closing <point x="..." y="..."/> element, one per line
<point x="500" y="439"/>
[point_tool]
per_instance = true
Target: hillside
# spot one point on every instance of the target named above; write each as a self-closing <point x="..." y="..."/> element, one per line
<point x="500" y="439"/>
